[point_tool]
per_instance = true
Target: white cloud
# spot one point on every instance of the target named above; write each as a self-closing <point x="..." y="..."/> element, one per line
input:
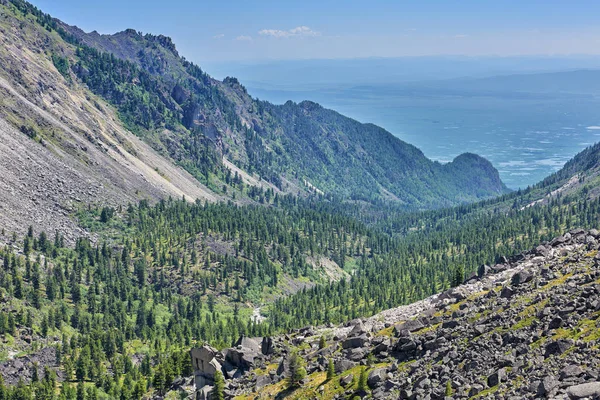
<point x="461" y="36"/>
<point x="299" y="31"/>
<point x="244" y="38"/>
<point x="219" y="36"/>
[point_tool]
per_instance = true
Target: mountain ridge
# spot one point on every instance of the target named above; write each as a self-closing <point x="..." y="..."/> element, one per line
<point x="147" y="51"/>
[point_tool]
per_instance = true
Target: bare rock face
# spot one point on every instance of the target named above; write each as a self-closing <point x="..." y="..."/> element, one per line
<point x="206" y="361"/>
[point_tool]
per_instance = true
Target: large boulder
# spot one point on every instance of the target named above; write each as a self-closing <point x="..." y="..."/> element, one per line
<point x="410" y="326"/>
<point x="355" y="342"/>
<point x="241" y="357"/>
<point x="358" y="330"/>
<point x="343" y="365"/>
<point x="253" y="344"/>
<point x="376" y="377"/>
<point x="557" y="347"/>
<point x="206" y="361"/>
<point x="585" y="390"/>
<point x="497" y="377"/>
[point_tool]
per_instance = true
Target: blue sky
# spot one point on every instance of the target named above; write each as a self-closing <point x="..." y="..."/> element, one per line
<point x="213" y="31"/>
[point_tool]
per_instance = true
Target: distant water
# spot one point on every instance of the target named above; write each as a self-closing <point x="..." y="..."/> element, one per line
<point x="525" y="136"/>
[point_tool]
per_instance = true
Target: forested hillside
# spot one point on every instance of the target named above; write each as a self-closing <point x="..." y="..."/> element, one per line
<point x="152" y="208"/>
<point x="166" y="276"/>
<point x="196" y="121"/>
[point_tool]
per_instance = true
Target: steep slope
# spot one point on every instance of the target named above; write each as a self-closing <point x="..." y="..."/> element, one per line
<point x="291" y="146"/>
<point x="63" y="148"/>
<point x="525" y="328"/>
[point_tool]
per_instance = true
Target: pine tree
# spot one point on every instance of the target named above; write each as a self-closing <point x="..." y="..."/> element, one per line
<point x="218" y="392"/>
<point x="459" y="275"/>
<point x="81" y="391"/>
<point x="297" y="370"/>
<point x="4" y="392"/>
<point x="330" y="370"/>
<point x="362" y="380"/>
<point x="322" y="342"/>
<point x="448" y="388"/>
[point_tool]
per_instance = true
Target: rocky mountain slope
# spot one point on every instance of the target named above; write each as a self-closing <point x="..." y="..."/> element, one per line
<point x="61" y="147"/>
<point x="522" y="329"/>
<point x="204" y="125"/>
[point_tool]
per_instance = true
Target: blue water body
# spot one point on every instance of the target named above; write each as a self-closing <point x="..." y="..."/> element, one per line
<point x="526" y="136"/>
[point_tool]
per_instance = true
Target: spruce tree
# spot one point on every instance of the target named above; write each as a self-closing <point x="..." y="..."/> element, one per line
<point x="297" y="370"/>
<point x="448" y="388"/>
<point x="218" y="392"/>
<point x="362" y="380"/>
<point x="322" y="342"/>
<point x="330" y="370"/>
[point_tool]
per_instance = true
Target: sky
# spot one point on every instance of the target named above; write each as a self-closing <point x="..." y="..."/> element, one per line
<point x="245" y="30"/>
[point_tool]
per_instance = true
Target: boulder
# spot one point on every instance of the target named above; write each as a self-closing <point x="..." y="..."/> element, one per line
<point x="450" y="324"/>
<point x="497" y="377"/>
<point x="483" y="270"/>
<point x="507" y="292"/>
<point x="556" y="323"/>
<point x="585" y="390"/>
<point x="283" y="368"/>
<point x="206" y="361"/>
<point x="355" y="342"/>
<point x="376" y="377"/>
<point x="343" y="365"/>
<point x="558" y="241"/>
<point x="548" y="383"/>
<point x="241" y="357"/>
<point x="358" y="330"/>
<point x="521" y="277"/>
<point x="253" y="344"/>
<point x="346" y="380"/>
<point x="541" y="251"/>
<point x="410" y="325"/>
<point x="262" y="381"/>
<point x="570" y="371"/>
<point x="557" y="347"/>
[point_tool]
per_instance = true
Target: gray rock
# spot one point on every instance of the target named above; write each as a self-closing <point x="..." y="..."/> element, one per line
<point x="411" y="326"/>
<point x="358" y="330"/>
<point x="548" y="383"/>
<point x="355" y="342"/>
<point x="450" y="324"/>
<point x="346" y="380"/>
<point x="343" y="365"/>
<point x="556" y="323"/>
<point x="483" y="270"/>
<point x="570" y="371"/>
<point x="376" y="377"/>
<point x="497" y="377"/>
<point x="521" y="277"/>
<point x="591" y="389"/>
<point x="267" y="347"/>
<point x="262" y="381"/>
<point x="507" y="292"/>
<point x="557" y="347"/>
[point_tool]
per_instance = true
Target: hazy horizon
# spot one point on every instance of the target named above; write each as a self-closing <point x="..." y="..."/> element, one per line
<point x="239" y="30"/>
